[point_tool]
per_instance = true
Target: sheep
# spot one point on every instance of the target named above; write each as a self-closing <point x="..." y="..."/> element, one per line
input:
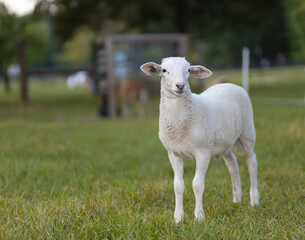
<point x="202" y="126"/>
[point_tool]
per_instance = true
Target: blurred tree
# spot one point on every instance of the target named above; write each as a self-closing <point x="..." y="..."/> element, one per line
<point x="78" y="50"/>
<point x="226" y="26"/>
<point x="37" y="35"/>
<point x="7" y="42"/>
<point x="69" y="15"/>
<point x="296" y="21"/>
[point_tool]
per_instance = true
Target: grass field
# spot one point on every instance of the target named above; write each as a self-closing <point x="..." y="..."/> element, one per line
<point x="67" y="174"/>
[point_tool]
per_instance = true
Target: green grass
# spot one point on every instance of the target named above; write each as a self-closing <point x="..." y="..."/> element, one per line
<point x="67" y="174"/>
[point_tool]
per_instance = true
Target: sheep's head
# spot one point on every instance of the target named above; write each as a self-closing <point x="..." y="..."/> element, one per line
<point x="175" y="72"/>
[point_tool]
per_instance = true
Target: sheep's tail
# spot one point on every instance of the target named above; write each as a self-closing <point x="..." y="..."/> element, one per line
<point x="239" y="148"/>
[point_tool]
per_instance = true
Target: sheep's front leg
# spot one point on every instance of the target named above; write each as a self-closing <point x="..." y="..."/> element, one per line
<point x="177" y="165"/>
<point x="202" y="163"/>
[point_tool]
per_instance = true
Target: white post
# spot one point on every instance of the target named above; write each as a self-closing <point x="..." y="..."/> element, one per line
<point x="245" y="68"/>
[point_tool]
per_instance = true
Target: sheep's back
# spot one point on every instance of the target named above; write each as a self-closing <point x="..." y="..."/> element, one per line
<point x="232" y="113"/>
<point x="227" y="95"/>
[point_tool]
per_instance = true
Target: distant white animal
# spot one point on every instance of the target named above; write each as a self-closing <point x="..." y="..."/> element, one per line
<point x="201" y="126"/>
<point x="78" y="79"/>
<point x="13" y="71"/>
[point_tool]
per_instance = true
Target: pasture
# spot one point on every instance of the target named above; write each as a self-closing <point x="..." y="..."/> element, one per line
<point x="65" y="173"/>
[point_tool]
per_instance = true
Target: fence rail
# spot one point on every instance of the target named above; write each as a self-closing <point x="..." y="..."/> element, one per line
<point x="58" y="70"/>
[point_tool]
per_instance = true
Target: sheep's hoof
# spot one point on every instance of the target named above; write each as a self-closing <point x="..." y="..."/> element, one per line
<point x="179" y="217"/>
<point x="254" y="196"/>
<point x="199" y="215"/>
<point x="237" y="197"/>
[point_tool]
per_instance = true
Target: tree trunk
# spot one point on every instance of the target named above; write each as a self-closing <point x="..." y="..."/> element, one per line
<point x="7" y="85"/>
<point x="23" y="81"/>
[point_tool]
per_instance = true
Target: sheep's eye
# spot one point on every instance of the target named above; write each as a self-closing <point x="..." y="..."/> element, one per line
<point x="189" y="70"/>
<point x="164" y="70"/>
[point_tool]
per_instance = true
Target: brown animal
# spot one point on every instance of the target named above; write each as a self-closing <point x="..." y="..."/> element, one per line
<point x="132" y="93"/>
<point x="217" y="81"/>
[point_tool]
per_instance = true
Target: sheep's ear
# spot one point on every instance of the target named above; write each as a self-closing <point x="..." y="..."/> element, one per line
<point x="151" y="69"/>
<point x="198" y="71"/>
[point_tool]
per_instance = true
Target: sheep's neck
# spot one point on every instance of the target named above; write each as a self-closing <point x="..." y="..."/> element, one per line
<point x="176" y="109"/>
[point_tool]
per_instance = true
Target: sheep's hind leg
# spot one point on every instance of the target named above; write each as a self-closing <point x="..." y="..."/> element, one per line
<point x="252" y="168"/>
<point x="177" y="165"/>
<point x="232" y="165"/>
<point x="202" y="163"/>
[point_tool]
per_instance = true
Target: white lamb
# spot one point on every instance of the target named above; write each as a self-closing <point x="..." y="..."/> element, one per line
<point x="201" y="126"/>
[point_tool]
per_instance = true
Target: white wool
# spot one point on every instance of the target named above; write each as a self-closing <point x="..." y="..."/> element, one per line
<point x="214" y="119"/>
<point x="200" y="126"/>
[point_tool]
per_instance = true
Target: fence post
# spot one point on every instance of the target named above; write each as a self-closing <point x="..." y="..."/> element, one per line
<point x="111" y="81"/>
<point x="245" y="68"/>
<point x="23" y="81"/>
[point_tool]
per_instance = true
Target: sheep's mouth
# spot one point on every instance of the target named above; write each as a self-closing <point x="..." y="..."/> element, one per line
<point x="179" y="92"/>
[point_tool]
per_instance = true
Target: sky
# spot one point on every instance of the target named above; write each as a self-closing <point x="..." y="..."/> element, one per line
<point x="20" y="7"/>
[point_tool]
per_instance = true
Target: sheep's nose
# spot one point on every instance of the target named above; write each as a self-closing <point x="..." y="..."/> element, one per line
<point x="180" y="86"/>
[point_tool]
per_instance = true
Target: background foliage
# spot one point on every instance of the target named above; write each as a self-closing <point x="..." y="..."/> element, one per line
<point x="271" y="29"/>
<point x="275" y="26"/>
